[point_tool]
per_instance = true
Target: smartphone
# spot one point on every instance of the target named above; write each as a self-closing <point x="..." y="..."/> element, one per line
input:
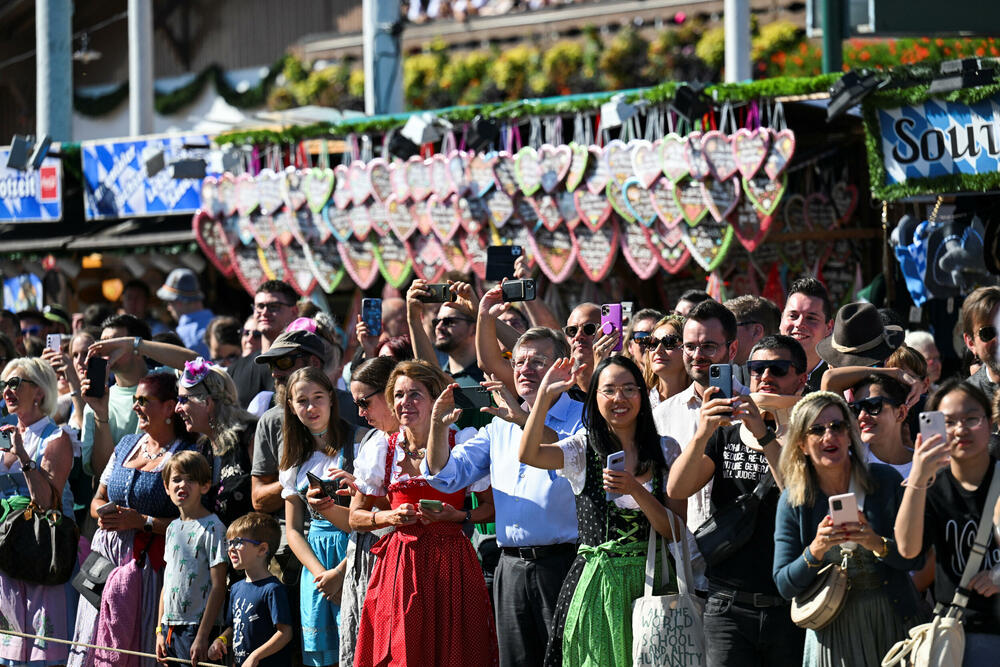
<point x="616" y="461"/>
<point x="472" y="398"/>
<point x="519" y="290"/>
<point x="932" y="423"/>
<point x="53" y="342"/>
<point x="329" y="488"/>
<point x="430" y="505"/>
<point x="371" y="315"/>
<point x="97" y="373"/>
<point x="107" y="508"/>
<point x="5" y="444"/>
<point x="611" y="321"/>
<point x="627" y="312"/>
<point x="721" y="376"/>
<point x="438" y="293"/>
<point x="500" y="261"/>
<point x="844" y="509"/>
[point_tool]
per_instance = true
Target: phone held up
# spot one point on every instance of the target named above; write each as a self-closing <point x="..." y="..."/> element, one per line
<point x="371" y="315"/>
<point x="500" y="261"/>
<point x="611" y="321"/>
<point x="844" y="509"/>
<point x="472" y="398"/>
<point x="97" y="373"/>
<point x="616" y="461"/>
<point x="519" y="290"/>
<point x="436" y="293"/>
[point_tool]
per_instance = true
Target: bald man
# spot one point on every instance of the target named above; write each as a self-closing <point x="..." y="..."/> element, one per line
<point x="581" y="330"/>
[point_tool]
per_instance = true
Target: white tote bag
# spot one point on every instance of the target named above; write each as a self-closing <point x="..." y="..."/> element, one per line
<point x="667" y="629"/>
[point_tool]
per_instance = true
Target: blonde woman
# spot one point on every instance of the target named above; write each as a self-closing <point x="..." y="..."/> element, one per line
<point x="824" y="457"/>
<point x="663" y="369"/>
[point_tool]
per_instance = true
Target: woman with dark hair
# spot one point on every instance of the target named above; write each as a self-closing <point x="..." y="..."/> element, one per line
<point x="397" y="347"/>
<point x="944" y="500"/>
<point x="592" y="622"/>
<point x="316" y="443"/>
<point x="132" y="507"/>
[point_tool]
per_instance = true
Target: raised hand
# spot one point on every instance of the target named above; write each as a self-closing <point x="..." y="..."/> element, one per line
<point x="508" y="408"/>
<point x="366" y="340"/>
<point x="714" y="412"/>
<point x="465" y="296"/>
<point x="604" y="345"/>
<point x="492" y="301"/>
<point x="929" y="457"/>
<point x="560" y="377"/>
<point x="444" y="411"/>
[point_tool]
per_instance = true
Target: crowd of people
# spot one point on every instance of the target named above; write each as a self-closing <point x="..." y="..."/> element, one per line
<point x="263" y="491"/>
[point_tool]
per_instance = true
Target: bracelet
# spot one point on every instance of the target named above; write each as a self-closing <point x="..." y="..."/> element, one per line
<point x="468" y="516"/>
<point x="74" y="394"/>
<point x="768" y="438"/>
<point x="906" y="483"/>
<point x="101" y="421"/>
<point x="374" y="514"/>
<point x="159" y="630"/>
<point x="223" y="639"/>
<point x="806" y="555"/>
<point x="885" y="549"/>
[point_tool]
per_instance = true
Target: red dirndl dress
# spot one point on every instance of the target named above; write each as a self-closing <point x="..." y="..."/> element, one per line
<point x="427" y="604"/>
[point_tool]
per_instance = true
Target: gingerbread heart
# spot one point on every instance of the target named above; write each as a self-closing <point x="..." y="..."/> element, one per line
<point x="718" y="151"/>
<point x="244" y="230"/>
<point x="429" y="261"/>
<point x="668" y="242"/>
<point x="481" y="178"/>
<point x="566" y="202"/>
<point x="672" y="157"/>
<point x="845" y="200"/>
<point x="526" y="212"/>
<point x="690" y="200"/>
<point x="326" y="265"/>
<point x="694" y="153"/>
<point x="359" y="261"/>
<point x="210" y="203"/>
<point x="596" y="249"/>
<point x="528" y="170"/>
<point x="504" y="173"/>
<point x="283" y="223"/>
<point x="577" y="165"/>
<point x="793" y="213"/>
<point x="547" y="210"/>
<point x="554" y="162"/>
<point x="247" y="199"/>
<point x="474" y="245"/>
<point x="638" y="201"/>
<point x="291" y="189"/>
<point x="618" y="157"/>
<point x="418" y="178"/>
<point x="662" y="198"/>
<point x="456" y="257"/>
<point x="271" y="262"/>
<point x="749" y="225"/>
<point x="596" y="174"/>
<point x="269" y="186"/>
<point x="361" y="221"/>
<point x="472" y="213"/>
<point x="637" y="251"/>
<point x="555" y="253"/>
<point x="339" y="222"/>
<point x="212" y="241"/>
<point x="402" y="218"/>
<point x="424" y="225"/>
<point x="750" y="149"/>
<point x="394" y="261"/>
<point x="708" y="242"/>
<point x="616" y="197"/>
<point x="317" y="184"/>
<point x="297" y="271"/>
<point x="720" y="197"/>
<point x="359" y="181"/>
<point x="397" y="178"/>
<point x="262" y="228"/>
<point x="646" y="163"/>
<point x="437" y="168"/>
<point x="442" y="217"/>
<point x="227" y="194"/>
<point x="820" y="213"/>
<point x="341" y="187"/>
<point x="247" y="268"/>
<point x="379" y="215"/>
<point x="780" y="153"/>
<point x="380" y="179"/>
<point x="764" y="192"/>
<point x="458" y="172"/>
<point x="500" y="206"/>
<point x="594" y="209"/>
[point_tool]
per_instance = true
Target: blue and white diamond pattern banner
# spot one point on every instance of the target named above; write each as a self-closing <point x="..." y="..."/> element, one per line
<point x="117" y="185"/>
<point x="30" y="196"/>
<point x="939" y="138"/>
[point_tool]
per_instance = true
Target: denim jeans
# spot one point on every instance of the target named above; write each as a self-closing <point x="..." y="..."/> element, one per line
<point x="981" y="649"/>
<point x="741" y="636"/>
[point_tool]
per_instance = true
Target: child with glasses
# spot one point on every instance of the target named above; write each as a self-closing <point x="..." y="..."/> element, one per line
<point x="259" y="619"/>
<point x="194" y="579"/>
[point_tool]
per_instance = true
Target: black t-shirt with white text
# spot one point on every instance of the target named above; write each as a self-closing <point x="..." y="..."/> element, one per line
<point x="250" y="378"/>
<point x="951" y="519"/>
<point x="738" y="469"/>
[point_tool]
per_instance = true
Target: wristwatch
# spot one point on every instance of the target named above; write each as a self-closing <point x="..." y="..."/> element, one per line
<point x="148" y="527"/>
<point x="136" y="342"/>
<point x="767" y="438"/>
<point x="28" y="465"/>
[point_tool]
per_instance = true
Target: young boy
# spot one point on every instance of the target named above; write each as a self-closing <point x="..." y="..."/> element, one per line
<point x="259" y="623"/>
<point x="194" y="580"/>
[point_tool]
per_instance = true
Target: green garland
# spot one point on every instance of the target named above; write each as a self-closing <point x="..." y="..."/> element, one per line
<point x="175" y="100"/>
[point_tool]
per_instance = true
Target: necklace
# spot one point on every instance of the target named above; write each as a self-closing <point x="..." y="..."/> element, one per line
<point x="417" y="455"/>
<point x="145" y="452"/>
<point x="319" y="433"/>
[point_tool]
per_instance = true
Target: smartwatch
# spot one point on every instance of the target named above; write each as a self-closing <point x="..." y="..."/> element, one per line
<point x="148" y="527"/>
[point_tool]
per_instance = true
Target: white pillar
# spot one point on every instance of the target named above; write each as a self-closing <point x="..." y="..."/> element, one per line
<point x="140" y="67"/>
<point x="54" y="69"/>
<point x="383" y="62"/>
<point x="737" y="23"/>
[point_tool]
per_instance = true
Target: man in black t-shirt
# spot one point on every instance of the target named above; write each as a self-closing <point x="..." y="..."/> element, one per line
<point x="274" y="307"/>
<point x="746" y="620"/>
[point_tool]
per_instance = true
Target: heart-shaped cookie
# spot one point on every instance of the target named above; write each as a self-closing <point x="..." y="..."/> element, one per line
<point x="504" y="173"/>
<point x="793" y="214"/>
<point x="554" y="162"/>
<point x="718" y="151"/>
<point x="690" y="200"/>
<point x="397" y="178"/>
<point x="547" y="210"/>
<point x="577" y="165"/>
<point x="672" y="157"/>
<point x="764" y="192"/>
<point x="380" y="179"/>
<point x="668" y="242"/>
<point x="555" y="253"/>
<point x="820" y="213"/>
<point x="566" y="201"/>
<point x="359" y="181"/>
<point x="646" y="162"/>
<point x="694" y="153"/>
<point x="845" y="200"/>
<point x="359" y="261"/>
<point x="780" y="153"/>
<point x="298" y="274"/>
<point x="262" y="228"/>
<point x="379" y="215"/>
<point x="437" y="168"/>
<point x="212" y="241"/>
<point x="283" y="224"/>
<point x="474" y="245"/>
<point x="244" y="230"/>
<point x="749" y="225"/>
<point x="472" y="213"/>
<point x="481" y="178"/>
<point x="527" y="214"/>
<point x="341" y="186"/>
<point x="720" y="197"/>
<point x="418" y="178"/>
<point x="226" y="194"/>
<point x="317" y="184"/>
<point x="750" y="149"/>
<point x="638" y="201"/>
<point x="291" y="191"/>
<point x="708" y="242"/>
<point x="458" y="172"/>
<point x="616" y="197"/>
<point x="424" y="225"/>
<point x="528" y="170"/>
<point x="596" y="173"/>
<point x="247" y="268"/>
<point x="271" y="261"/>
<point x="246" y="195"/>
<point x="594" y="209"/>
<point x="210" y="204"/>
<point x="394" y="261"/>
<point x="499" y="205"/>
<point x="596" y="249"/>
<point x="618" y="157"/>
<point x="402" y="218"/>
<point x="456" y="257"/>
<point x="662" y="198"/>
<point x="429" y="261"/>
<point x="361" y="221"/>
<point x="637" y="251"/>
<point x="442" y="217"/>
<point x="303" y="228"/>
<point x="326" y="265"/>
<point x="339" y="223"/>
<point x="269" y="187"/>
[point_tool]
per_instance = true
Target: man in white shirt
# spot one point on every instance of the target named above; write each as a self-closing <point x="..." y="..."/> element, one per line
<point x="808" y="318"/>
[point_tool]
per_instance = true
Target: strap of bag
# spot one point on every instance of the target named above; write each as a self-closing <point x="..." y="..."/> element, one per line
<point x="654" y="537"/>
<point x="685" y="574"/>
<point x="962" y="593"/>
<point x="764" y="486"/>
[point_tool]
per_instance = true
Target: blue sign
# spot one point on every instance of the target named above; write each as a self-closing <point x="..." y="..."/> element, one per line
<point x="939" y="138"/>
<point x="116" y="184"/>
<point x="23" y="292"/>
<point x="30" y="196"/>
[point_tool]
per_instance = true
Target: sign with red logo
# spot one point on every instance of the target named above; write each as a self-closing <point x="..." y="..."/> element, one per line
<point x="30" y="196"/>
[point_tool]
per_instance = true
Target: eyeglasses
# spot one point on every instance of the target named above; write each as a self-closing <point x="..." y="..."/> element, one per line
<point x="33" y="330"/>
<point x="589" y="329"/>
<point x="270" y="306"/>
<point x="143" y="401"/>
<point x="253" y="333"/>
<point x="184" y="399"/>
<point x="14" y="383"/>
<point x="627" y="390"/>
<point x="836" y="427"/>
<point x="779" y="367"/>
<point x="668" y="342"/>
<point x="362" y="402"/>
<point x="238" y="542"/>
<point x="639" y="336"/>
<point x="986" y="334"/>
<point x="537" y="364"/>
<point x="968" y="422"/>
<point x="708" y="349"/>
<point x="284" y="363"/>
<point x="872" y="406"/>
<point x="448" y="322"/>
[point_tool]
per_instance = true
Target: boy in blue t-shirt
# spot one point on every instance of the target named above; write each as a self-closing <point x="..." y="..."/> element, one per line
<point x="194" y="579"/>
<point x="259" y="621"/>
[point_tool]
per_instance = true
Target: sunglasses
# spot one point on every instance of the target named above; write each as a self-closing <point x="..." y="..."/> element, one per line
<point x="253" y="333"/>
<point x="448" y="322"/>
<point x="272" y="307"/>
<point x="986" y="334"/>
<point x="836" y="427"/>
<point x="34" y="330"/>
<point x="284" y="363"/>
<point x="14" y="383"/>
<point x="143" y="401"/>
<point x="779" y="367"/>
<point x="669" y="342"/>
<point x="238" y="542"/>
<point x="872" y="406"/>
<point x="589" y="329"/>
<point x="362" y="402"/>
<point x="639" y="336"/>
<point x="185" y="399"/>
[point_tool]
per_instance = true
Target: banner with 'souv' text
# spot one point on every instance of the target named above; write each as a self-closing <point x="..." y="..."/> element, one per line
<point x="30" y="196"/>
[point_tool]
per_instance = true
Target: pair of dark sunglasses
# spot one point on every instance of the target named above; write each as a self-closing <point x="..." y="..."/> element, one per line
<point x="14" y="383"/>
<point x="284" y="363"/>
<point x="669" y="342"/>
<point x="779" y="367"/>
<point x="142" y="401"/>
<point x="872" y="406"/>
<point x="986" y="334"/>
<point x="589" y="329"/>
<point x="362" y="402"/>
<point x="253" y="333"/>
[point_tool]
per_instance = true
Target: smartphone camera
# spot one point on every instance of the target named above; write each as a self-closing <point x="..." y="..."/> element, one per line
<point x="515" y="251"/>
<point x="714" y="371"/>
<point x="518" y="290"/>
<point x="838" y="505"/>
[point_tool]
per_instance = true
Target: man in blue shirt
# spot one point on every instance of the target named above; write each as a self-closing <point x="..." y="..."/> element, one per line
<point x="182" y="294"/>
<point x="535" y="509"/>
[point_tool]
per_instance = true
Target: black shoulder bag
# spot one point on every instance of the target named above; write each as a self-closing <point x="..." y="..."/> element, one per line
<point x="728" y="529"/>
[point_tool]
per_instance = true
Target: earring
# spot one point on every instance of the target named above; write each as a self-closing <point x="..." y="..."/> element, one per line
<point x="169" y="421"/>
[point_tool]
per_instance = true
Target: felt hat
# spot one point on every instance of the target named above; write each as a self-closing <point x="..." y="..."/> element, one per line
<point x="859" y="338"/>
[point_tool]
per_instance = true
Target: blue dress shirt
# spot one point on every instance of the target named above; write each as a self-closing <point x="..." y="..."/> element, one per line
<point x="191" y="328"/>
<point x="534" y="507"/>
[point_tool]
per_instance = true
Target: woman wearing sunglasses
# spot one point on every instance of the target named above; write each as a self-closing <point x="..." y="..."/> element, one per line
<point x="880" y="406"/>
<point x="35" y="462"/>
<point x="132" y="507"/>
<point x="208" y="406"/>
<point x="944" y="500"/>
<point x="664" y="360"/>
<point x="824" y="457"/>
<point x="639" y="328"/>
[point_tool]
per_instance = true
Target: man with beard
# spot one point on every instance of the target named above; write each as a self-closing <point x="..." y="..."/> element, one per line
<point x="536" y="527"/>
<point x="274" y="309"/>
<point x="709" y="337"/>
<point x="747" y="621"/>
<point x="581" y="330"/>
<point x="979" y="331"/>
<point x="808" y="318"/>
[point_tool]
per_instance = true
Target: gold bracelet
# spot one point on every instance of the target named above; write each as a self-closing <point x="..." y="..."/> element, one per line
<point x="885" y="549"/>
<point x="223" y="639"/>
<point x="806" y="559"/>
